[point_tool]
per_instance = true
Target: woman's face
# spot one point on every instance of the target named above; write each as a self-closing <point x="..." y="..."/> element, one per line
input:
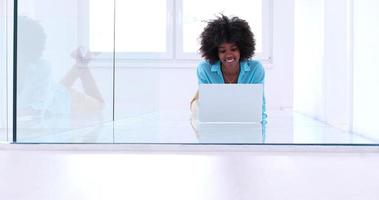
<point x="229" y="54"/>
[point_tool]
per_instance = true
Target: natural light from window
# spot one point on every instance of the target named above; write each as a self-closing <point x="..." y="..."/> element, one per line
<point x="147" y="26"/>
<point x="195" y="12"/>
<point x="141" y="26"/>
<point x="101" y="25"/>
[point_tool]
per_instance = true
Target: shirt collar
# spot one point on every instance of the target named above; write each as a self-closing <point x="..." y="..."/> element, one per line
<point x="216" y="67"/>
<point x="244" y="66"/>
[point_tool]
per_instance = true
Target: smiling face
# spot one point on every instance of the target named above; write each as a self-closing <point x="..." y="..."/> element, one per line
<point x="229" y="54"/>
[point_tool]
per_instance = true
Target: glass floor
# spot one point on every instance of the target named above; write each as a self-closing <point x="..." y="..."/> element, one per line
<point x="172" y="127"/>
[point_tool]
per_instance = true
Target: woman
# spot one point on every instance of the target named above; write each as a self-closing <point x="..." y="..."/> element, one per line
<point x="227" y="45"/>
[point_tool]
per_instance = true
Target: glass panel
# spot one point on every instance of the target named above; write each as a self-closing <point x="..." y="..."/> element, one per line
<point x="196" y="12"/>
<point x="148" y="95"/>
<point x="66" y="80"/>
<point x="3" y="72"/>
<point x="63" y="93"/>
<point x="152" y="104"/>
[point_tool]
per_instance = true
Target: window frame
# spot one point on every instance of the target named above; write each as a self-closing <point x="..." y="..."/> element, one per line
<point x="84" y="33"/>
<point x="174" y="37"/>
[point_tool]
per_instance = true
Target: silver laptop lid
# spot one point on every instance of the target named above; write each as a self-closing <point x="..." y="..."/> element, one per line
<point x="230" y="103"/>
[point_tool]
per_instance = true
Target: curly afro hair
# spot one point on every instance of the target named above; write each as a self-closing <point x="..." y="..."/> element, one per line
<point x="230" y="30"/>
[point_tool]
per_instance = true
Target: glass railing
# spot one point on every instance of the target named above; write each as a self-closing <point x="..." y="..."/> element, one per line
<point x="100" y="71"/>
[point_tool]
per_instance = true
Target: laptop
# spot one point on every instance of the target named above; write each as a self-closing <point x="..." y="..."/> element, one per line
<point x="230" y="103"/>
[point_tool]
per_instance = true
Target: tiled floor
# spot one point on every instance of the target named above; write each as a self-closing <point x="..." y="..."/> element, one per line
<point x="29" y="174"/>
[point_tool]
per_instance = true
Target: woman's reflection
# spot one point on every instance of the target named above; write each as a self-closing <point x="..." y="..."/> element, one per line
<point x="43" y="103"/>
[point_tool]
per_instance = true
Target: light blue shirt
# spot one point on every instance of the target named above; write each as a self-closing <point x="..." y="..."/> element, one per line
<point x="251" y="72"/>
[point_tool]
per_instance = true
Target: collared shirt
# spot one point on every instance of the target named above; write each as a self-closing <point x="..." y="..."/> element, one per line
<point x="251" y="72"/>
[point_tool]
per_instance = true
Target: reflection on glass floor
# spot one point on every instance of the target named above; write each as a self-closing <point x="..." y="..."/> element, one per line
<point x="284" y="127"/>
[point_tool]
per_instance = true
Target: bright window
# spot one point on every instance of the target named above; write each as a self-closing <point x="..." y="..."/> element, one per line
<point x="141" y="26"/>
<point x="101" y="25"/>
<point x="150" y="29"/>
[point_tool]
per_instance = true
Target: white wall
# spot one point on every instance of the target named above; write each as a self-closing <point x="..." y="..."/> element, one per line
<point x="366" y="70"/>
<point x="279" y="79"/>
<point x="309" y="44"/>
<point x="323" y="60"/>
<point x="337" y="63"/>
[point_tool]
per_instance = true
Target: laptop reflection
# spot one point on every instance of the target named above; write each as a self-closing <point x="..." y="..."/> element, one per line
<point x="244" y="133"/>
